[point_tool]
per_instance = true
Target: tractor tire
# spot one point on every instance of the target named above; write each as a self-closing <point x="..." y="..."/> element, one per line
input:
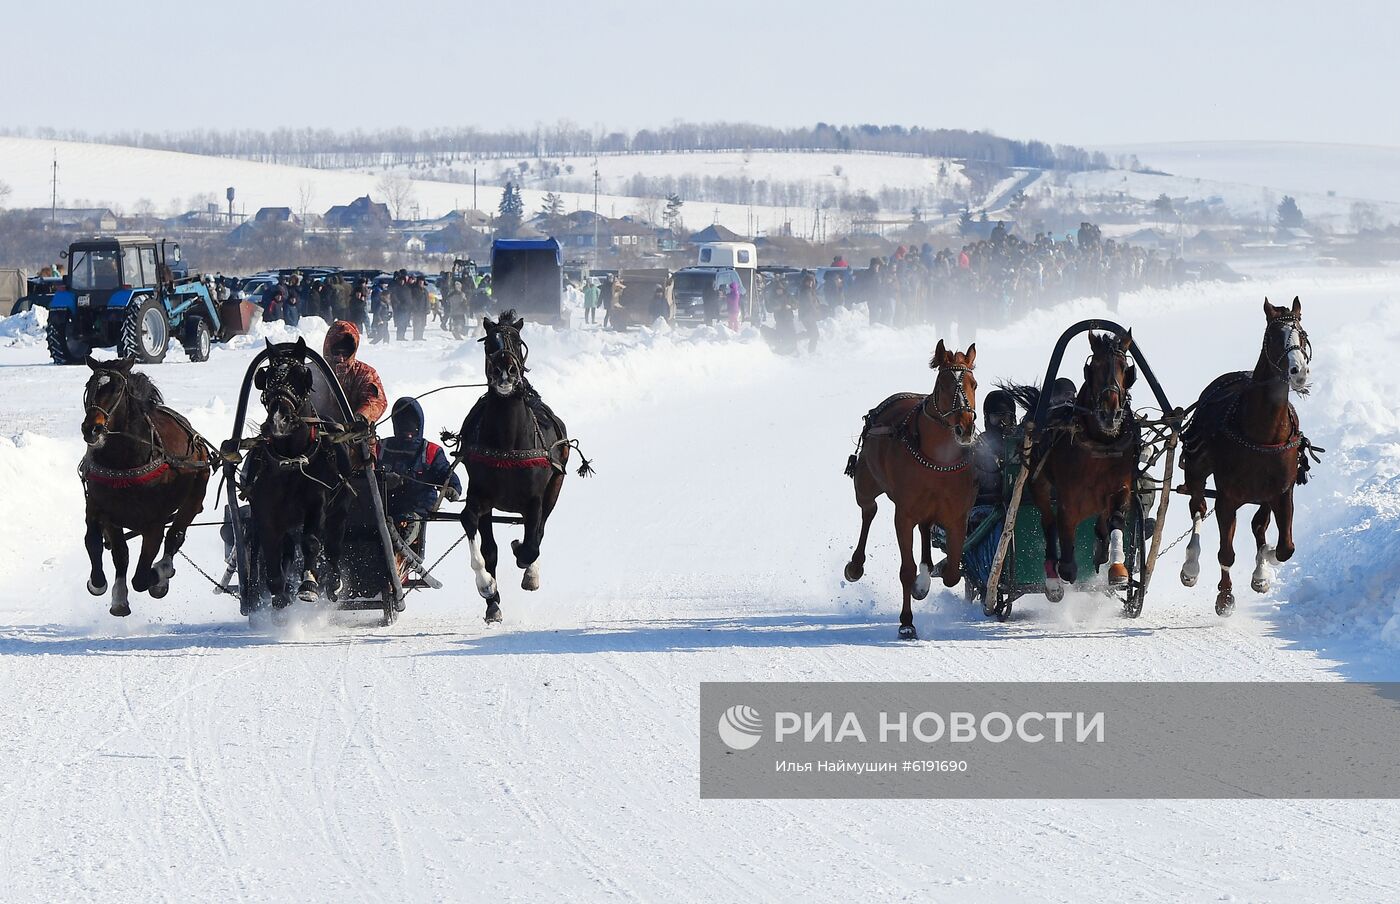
<point x="198" y="339"/>
<point x="62" y="349"/>
<point x="145" y="333"/>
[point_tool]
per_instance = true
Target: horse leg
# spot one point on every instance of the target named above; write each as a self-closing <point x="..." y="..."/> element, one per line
<point x="952" y="566"/>
<point x="1068" y="567"/>
<point x="144" y="577"/>
<point x="1191" y="568"/>
<point x="333" y="541"/>
<point x="1283" y="510"/>
<point x="274" y="564"/>
<point x="527" y="551"/>
<point x="175" y="538"/>
<point x="924" y="579"/>
<point x="312" y="531"/>
<point x="476" y="518"/>
<point x="1225" y="512"/>
<point x="1054" y="589"/>
<point x="1196" y="487"/>
<point x="97" y="581"/>
<point x="1117" y="569"/>
<point x="904" y="530"/>
<point x="1263" y="552"/>
<point x="866" y="494"/>
<point x="120" y="559"/>
<point x="488" y="558"/>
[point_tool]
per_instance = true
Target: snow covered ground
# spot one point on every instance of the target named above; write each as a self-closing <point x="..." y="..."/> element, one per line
<point x="178" y="755"/>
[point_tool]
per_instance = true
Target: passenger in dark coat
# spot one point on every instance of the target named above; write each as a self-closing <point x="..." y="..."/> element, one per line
<point x="421" y="464"/>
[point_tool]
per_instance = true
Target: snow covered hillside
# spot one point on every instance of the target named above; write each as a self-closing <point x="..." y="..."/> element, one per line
<point x="97" y="175"/>
<point x="178" y="754"/>
<point x="1250" y="178"/>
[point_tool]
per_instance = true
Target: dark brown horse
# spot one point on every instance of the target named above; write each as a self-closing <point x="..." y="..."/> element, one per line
<point x="1084" y="464"/>
<point x="1246" y="433"/>
<point x="145" y="468"/>
<point x="915" y="449"/>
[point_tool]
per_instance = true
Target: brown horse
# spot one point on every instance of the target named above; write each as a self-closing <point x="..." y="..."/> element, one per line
<point x="1246" y="433"/>
<point x="145" y="468"/>
<point x="915" y="449"/>
<point x="1084" y="464"/>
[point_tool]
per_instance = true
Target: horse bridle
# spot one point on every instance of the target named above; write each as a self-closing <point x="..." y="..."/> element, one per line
<point x="961" y="403"/>
<point x="1113" y="384"/>
<point x="1280" y="364"/>
<point x="514" y="352"/>
<point x="277" y="391"/>
<point x="90" y="406"/>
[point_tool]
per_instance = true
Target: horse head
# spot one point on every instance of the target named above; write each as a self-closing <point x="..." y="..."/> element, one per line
<point x="285" y="383"/>
<point x="1107" y="378"/>
<point x="505" y="353"/>
<point x="954" y="397"/>
<point x="107" y="394"/>
<point x="1286" y="347"/>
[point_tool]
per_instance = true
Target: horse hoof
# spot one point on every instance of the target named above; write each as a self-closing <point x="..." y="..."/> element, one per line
<point x="1225" y="604"/>
<point x="531" y="579"/>
<point x="907" y="632"/>
<point x="120" y="610"/>
<point x="1259" y="585"/>
<point x="854" y="572"/>
<point x="1054" y="590"/>
<point x="159" y="589"/>
<point x="96" y="589"/>
<point x="1188" y="580"/>
<point x="922" y="583"/>
<point x="493" y="611"/>
<point x="1117" y="575"/>
<point x="308" y="592"/>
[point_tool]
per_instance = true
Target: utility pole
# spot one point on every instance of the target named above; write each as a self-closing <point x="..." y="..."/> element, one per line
<point x="597" y="256"/>
<point x="53" y="203"/>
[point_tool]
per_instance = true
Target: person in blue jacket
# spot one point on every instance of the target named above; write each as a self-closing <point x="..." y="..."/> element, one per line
<point x="422" y="467"/>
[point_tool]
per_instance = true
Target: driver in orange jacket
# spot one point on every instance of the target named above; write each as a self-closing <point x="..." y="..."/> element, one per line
<point x="360" y="381"/>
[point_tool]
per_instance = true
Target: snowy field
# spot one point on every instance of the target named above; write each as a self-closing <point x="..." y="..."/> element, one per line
<point x="176" y="755"/>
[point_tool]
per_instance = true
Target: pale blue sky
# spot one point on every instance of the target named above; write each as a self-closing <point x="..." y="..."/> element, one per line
<point x="1084" y="73"/>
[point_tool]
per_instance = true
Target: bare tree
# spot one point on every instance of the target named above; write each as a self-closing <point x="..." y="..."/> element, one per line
<point x="4" y="192"/>
<point x="397" y="190"/>
<point x="306" y="193"/>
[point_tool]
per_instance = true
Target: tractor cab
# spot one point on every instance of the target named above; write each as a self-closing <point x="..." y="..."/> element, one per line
<point x="101" y="266"/>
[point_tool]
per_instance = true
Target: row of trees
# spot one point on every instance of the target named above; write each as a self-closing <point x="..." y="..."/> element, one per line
<point x="361" y="148"/>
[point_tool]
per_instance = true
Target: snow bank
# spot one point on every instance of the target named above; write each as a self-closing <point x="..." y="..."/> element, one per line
<point x="26" y="330"/>
<point x="44" y="501"/>
<point x="1344" y="585"/>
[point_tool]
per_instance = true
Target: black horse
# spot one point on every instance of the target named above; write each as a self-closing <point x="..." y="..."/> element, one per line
<point x="516" y="452"/>
<point x="296" y="481"/>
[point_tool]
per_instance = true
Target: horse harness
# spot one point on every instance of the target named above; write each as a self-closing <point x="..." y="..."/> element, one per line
<point x="161" y="463"/>
<point x="539" y="456"/>
<point x="906" y="432"/>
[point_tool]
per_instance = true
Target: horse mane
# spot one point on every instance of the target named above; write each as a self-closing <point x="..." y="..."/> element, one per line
<point x="141" y="393"/>
<point x="1026" y="395"/>
<point x="506" y="318"/>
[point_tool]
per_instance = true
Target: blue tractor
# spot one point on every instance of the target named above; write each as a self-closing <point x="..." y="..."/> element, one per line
<point x="131" y="293"/>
